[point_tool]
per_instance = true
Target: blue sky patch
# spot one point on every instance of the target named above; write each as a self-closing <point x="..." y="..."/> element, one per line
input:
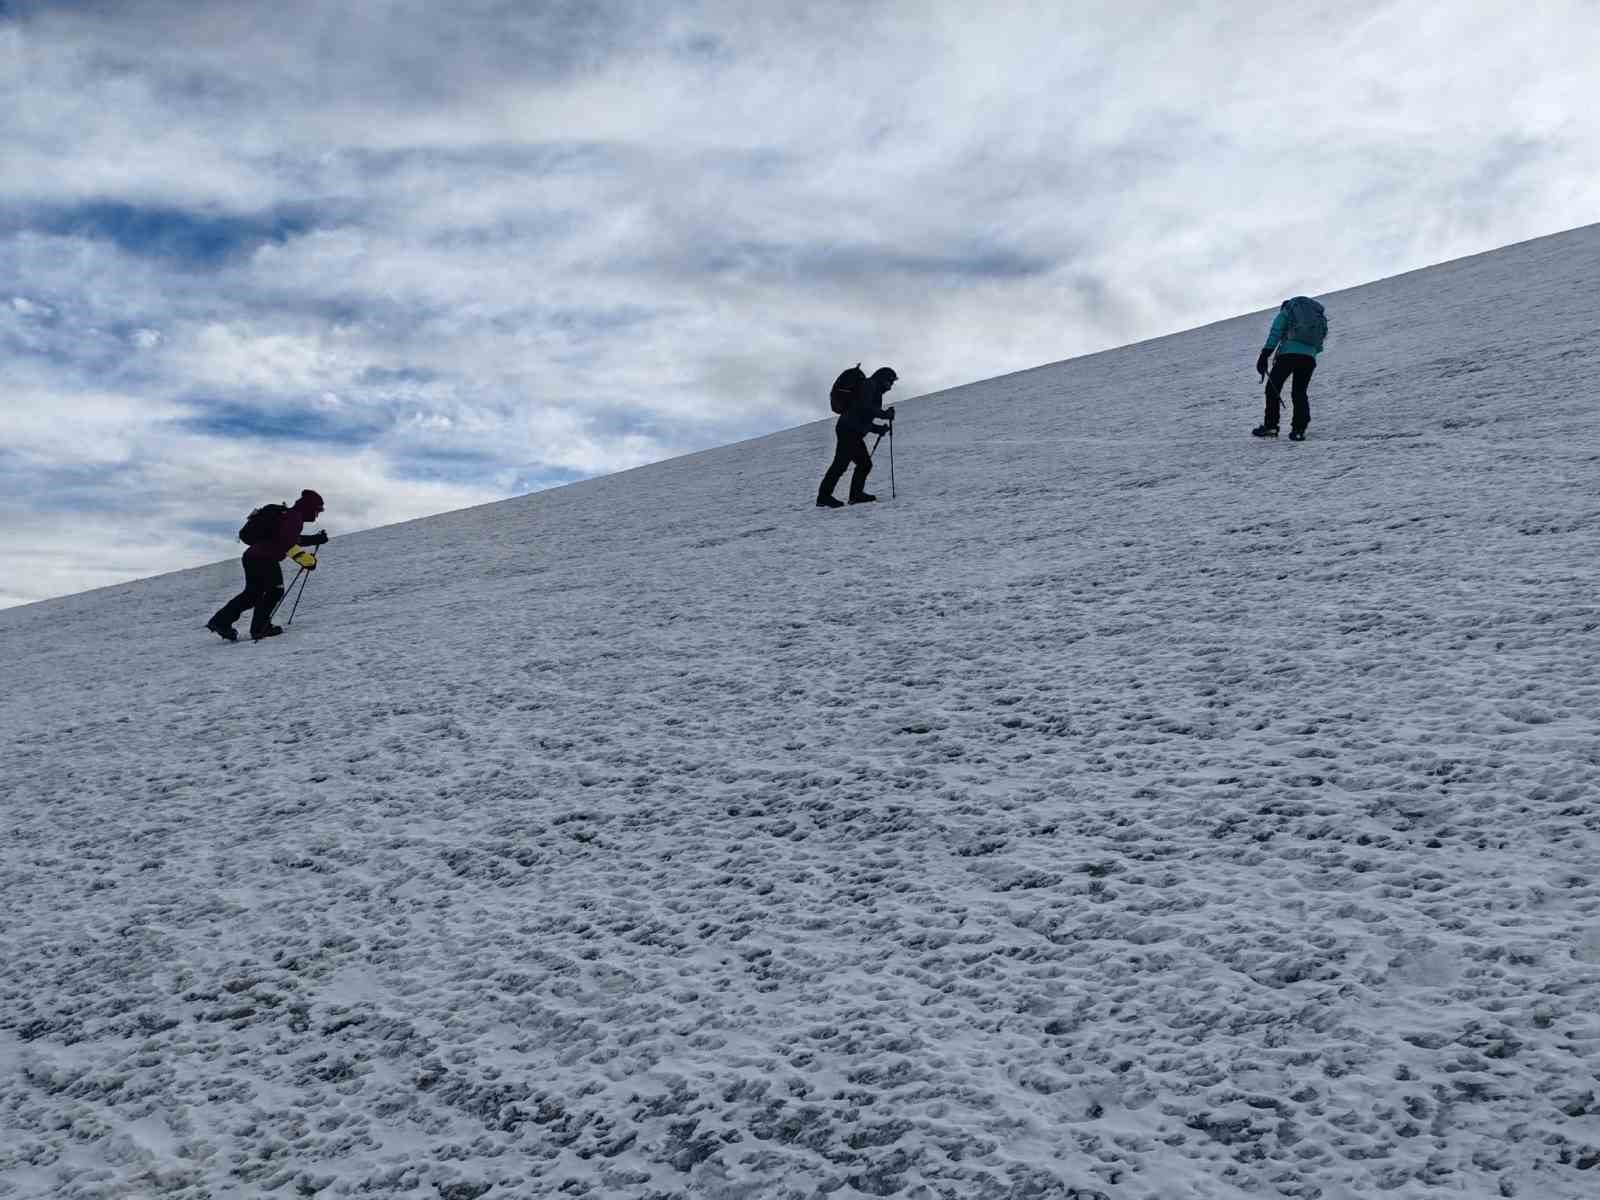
<point x="826" y="260"/>
<point x="183" y="238"/>
<point x="394" y="377"/>
<point x="444" y="465"/>
<point x="528" y="158"/>
<point x="220" y="527"/>
<point x="235" y="419"/>
<point x="86" y="488"/>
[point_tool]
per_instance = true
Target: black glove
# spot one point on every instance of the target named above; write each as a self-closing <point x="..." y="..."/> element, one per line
<point x="889" y="412"/>
<point x="1262" y="362"/>
<point x="316" y="539"/>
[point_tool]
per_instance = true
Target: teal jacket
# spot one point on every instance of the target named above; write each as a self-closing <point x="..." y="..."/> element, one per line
<point x="1276" y="340"/>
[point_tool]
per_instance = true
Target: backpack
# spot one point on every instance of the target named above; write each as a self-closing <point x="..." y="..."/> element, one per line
<point x="262" y="524"/>
<point x="846" y="388"/>
<point x="1307" y="322"/>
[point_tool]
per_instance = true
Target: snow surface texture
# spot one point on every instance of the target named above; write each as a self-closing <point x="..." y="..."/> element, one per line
<point x="1132" y="809"/>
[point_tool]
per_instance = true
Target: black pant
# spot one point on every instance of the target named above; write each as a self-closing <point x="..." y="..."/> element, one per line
<point x="1300" y="367"/>
<point x="849" y="448"/>
<point x="263" y="588"/>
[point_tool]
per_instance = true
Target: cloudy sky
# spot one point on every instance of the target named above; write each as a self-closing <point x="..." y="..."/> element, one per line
<point x="420" y="255"/>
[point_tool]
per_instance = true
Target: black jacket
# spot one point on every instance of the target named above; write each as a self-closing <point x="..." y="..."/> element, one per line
<point x="865" y="408"/>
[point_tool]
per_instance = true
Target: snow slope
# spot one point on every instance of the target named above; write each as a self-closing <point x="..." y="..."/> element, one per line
<point x="1131" y="809"/>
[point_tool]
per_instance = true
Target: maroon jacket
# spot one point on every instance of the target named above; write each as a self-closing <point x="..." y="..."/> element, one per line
<point x="283" y="540"/>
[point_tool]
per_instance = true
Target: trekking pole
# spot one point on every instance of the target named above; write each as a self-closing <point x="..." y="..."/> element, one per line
<point x="891" y="460"/>
<point x="285" y="595"/>
<point x="306" y="571"/>
<point x="296" y="607"/>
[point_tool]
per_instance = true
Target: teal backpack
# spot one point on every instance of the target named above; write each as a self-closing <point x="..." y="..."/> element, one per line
<point x="1307" y="323"/>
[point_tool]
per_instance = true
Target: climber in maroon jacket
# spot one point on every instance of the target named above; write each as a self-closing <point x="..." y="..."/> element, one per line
<point x="263" y="577"/>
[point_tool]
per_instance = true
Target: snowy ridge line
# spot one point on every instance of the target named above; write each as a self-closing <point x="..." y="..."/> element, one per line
<point x="1130" y="810"/>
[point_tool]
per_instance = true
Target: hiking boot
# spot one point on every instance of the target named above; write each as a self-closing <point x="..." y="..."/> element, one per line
<point x="269" y="631"/>
<point x="1297" y="435"/>
<point x="226" y="632"/>
<point x="1264" y="431"/>
<point x="862" y="498"/>
<point x="829" y="502"/>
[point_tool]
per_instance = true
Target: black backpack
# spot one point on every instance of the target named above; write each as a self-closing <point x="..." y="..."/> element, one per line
<point x="846" y="388"/>
<point x="262" y="524"/>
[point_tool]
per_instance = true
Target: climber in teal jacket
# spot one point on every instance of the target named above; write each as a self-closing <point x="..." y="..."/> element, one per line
<point x="1298" y="333"/>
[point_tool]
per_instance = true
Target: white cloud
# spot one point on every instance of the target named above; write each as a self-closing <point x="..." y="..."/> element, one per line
<point x="238" y="355"/>
<point x="501" y="243"/>
<point x="78" y="429"/>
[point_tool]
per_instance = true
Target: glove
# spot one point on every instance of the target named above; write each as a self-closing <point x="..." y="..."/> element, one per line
<point x="890" y="413"/>
<point x="316" y="539"/>
<point x="1262" y="362"/>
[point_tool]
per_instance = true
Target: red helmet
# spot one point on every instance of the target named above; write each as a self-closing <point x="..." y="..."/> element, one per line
<point x="309" y="502"/>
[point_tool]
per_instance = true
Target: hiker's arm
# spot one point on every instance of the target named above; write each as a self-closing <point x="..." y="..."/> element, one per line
<point x="1280" y="326"/>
